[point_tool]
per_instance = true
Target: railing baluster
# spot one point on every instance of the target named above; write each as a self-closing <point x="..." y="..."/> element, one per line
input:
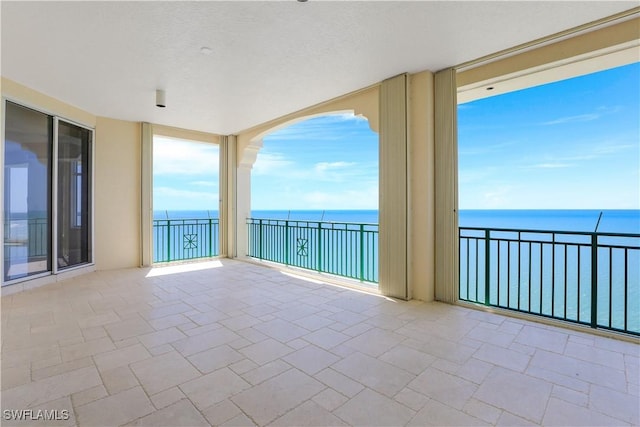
<point x="508" y="274"/>
<point x="260" y="239"/>
<point x="477" y="276"/>
<point x="529" y="282"/>
<point x="498" y="273"/>
<point x="626" y="286"/>
<point x="319" y="252"/>
<point x="541" y="276"/>
<point x="168" y="240"/>
<point x="553" y="274"/>
<point x="594" y="280"/>
<point x="519" y="262"/>
<point x="210" y="238"/>
<point x="579" y="279"/>
<point x="487" y="265"/>
<point x="361" y="252"/>
<point x="610" y="286"/>
<point x="286" y="243"/>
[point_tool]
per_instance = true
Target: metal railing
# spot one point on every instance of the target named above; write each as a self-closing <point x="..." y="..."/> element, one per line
<point x="183" y="239"/>
<point x="32" y="234"/>
<point x="581" y="277"/>
<point x="339" y="248"/>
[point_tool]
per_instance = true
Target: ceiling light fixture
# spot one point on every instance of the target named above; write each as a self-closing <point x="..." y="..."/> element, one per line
<point x="206" y="50"/>
<point x="161" y="99"/>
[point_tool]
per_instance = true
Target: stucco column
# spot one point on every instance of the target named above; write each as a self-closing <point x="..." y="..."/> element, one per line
<point x="246" y="158"/>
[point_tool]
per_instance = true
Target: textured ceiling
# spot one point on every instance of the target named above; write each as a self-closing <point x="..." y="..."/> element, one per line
<point x="268" y="58"/>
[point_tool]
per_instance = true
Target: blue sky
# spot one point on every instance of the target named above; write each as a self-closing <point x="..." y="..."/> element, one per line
<point x="573" y="144"/>
<point x="328" y="162"/>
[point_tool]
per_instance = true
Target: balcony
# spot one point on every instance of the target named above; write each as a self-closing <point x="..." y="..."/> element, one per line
<point x="540" y="272"/>
<point x="225" y="342"/>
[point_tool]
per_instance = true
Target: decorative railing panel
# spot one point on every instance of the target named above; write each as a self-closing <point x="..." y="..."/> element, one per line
<point x="344" y="249"/>
<point x="184" y="239"/>
<point x="587" y="278"/>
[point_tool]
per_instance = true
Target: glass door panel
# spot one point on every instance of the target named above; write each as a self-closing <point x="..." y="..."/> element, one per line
<point x="27" y="192"/>
<point x="73" y="195"/>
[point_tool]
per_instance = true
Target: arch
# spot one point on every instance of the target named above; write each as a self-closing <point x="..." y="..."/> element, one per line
<point x="363" y="103"/>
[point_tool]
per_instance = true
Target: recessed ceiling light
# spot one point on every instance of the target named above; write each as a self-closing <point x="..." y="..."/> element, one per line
<point x="206" y="50"/>
<point x="302" y="1"/>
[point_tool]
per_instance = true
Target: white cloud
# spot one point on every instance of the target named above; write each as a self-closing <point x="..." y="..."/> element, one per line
<point x="471" y="176"/>
<point x="600" y="111"/>
<point x="276" y="165"/>
<point x="317" y="128"/>
<point x="177" y="199"/>
<point x="574" y="119"/>
<point x="365" y="198"/>
<point x="483" y="149"/>
<point x="271" y="163"/>
<point x="172" y="156"/>
<point x="324" y="166"/>
<point x="549" y="166"/>
<point x="499" y="197"/>
<point x="204" y="183"/>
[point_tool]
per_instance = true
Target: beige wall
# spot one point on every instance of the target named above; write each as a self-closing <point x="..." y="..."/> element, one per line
<point x="38" y="101"/>
<point x="117" y="194"/>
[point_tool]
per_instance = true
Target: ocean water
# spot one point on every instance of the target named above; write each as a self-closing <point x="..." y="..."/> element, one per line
<point x="612" y="221"/>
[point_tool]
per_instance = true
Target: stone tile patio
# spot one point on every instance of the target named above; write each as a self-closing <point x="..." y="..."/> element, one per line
<point x="233" y="343"/>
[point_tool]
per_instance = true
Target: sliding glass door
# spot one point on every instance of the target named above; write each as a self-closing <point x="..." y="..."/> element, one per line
<point x="47" y="194"/>
<point x="73" y="207"/>
<point x="27" y="192"/>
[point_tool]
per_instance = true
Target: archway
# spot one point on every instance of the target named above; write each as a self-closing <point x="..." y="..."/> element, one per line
<point x="314" y="196"/>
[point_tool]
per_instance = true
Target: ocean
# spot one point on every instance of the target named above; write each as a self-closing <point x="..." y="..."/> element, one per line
<point x="612" y="220"/>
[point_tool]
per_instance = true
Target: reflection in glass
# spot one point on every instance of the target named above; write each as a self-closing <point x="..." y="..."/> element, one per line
<point x="27" y="192"/>
<point x="74" y="228"/>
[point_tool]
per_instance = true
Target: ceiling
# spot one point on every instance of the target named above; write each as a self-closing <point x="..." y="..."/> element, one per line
<point x="267" y="58"/>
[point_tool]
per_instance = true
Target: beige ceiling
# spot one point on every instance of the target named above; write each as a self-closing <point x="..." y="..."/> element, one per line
<point x="268" y="58"/>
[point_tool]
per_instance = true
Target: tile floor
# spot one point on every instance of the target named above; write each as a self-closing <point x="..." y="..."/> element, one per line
<point x="238" y="344"/>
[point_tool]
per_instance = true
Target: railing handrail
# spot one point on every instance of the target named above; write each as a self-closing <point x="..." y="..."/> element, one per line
<point x="538" y="231"/>
<point x="313" y="221"/>
<point x="214" y="220"/>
